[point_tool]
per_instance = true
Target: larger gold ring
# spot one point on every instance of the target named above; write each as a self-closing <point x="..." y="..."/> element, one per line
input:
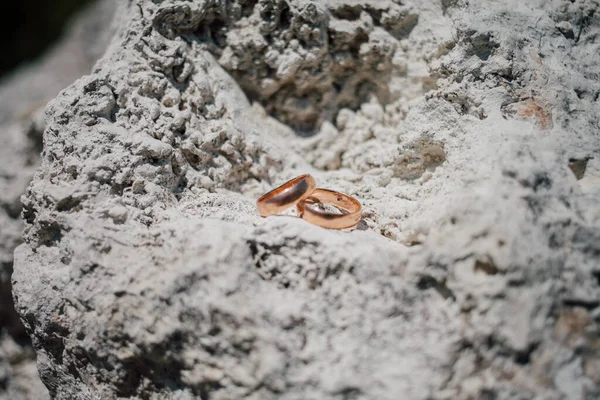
<point x="350" y="207"/>
<point x="286" y="195"/>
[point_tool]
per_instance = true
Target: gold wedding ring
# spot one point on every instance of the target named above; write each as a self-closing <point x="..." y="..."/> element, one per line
<point x="286" y="195"/>
<point x="350" y="207"/>
<point x="302" y="192"/>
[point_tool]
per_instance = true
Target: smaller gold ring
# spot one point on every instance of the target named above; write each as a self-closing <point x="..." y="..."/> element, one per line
<point x="286" y="195"/>
<point x="350" y="205"/>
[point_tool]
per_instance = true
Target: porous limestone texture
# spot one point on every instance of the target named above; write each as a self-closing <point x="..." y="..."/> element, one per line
<point x="468" y="130"/>
<point x="23" y="96"/>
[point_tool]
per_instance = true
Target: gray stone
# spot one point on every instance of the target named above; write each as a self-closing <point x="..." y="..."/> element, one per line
<point x="147" y="273"/>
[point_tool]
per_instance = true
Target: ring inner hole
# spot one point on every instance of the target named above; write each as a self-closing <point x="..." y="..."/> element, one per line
<point x="326" y="207"/>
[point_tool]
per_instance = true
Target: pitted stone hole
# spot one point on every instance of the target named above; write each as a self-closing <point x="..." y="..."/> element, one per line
<point x="446" y="4"/>
<point x="578" y="166"/>
<point x="347" y="12"/>
<point x="429" y="282"/>
<point x="596" y="276"/>
<point x="69" y="203"/>
<point x="50" y="234"/>
<point x="349" y="393"/>
<point x="588" y="304"/>
<point x="524" y="357"/>
<point x="481" y="45"/>
<point x="486" y="266"/>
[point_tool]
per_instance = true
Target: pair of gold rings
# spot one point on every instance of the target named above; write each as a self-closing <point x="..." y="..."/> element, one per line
<point x="303" y="192"/>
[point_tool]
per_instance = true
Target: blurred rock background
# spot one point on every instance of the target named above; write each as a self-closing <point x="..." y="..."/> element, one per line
<point x="46" y="46"/>
<point x="30" y="27"/>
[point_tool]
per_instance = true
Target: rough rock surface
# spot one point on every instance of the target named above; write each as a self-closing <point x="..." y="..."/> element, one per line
<point x="469" y="132"/>
<point x="22" y="99"/>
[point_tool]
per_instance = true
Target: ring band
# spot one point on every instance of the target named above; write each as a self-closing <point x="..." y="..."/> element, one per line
<point x="326" y="219"/>
<point x="286" y="195"/>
